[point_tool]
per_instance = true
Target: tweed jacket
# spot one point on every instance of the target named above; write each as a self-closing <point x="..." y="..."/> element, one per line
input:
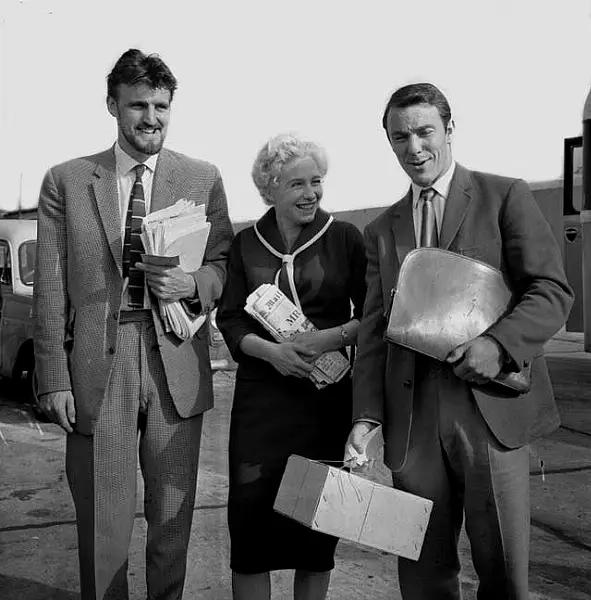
<point x="496" y="220"/>
<point x="79" y="283"/>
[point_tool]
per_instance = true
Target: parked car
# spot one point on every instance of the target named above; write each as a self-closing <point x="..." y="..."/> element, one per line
<point x="17" y="267"/>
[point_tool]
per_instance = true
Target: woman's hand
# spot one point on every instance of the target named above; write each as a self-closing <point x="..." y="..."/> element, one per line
<point x="315" y="343"/>
<point x="290" y="358"/>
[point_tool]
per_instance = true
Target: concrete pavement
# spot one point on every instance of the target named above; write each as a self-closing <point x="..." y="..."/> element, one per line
<point x="38" y="537"/>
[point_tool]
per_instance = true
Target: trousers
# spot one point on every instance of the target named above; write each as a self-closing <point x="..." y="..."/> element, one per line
<point x="102" y="474"/>
<point x="454" y="460"/>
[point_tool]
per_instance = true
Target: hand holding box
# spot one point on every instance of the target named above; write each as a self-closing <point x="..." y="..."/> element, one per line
<point x="371" y="443"/>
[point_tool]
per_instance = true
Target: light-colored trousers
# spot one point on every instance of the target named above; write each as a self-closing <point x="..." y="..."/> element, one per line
<point x="455" y="461"/>
<point x="102" y="472"/>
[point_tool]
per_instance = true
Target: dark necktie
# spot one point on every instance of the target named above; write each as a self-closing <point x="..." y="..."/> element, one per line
<point x="132" y="244"/>
<point x="429" y="236"/>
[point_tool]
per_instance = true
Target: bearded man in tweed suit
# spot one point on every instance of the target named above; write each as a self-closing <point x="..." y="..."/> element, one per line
<point x="107" y="371"/>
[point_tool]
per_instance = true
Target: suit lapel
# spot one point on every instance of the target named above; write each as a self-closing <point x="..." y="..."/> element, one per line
<point x="403" y="234"/>
<point x="456" y="206"/>
<point x="107" y="200"/>
<point x="403" y="227"/>
<point x="163" y="185"/>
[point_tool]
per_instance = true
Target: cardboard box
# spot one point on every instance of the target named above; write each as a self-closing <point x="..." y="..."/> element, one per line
<point x="348" y="506"/>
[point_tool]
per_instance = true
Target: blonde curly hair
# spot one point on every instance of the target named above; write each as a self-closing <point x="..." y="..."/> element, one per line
<point x="276" y="153"/>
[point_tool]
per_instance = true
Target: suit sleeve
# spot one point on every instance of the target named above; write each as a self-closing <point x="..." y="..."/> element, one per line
<point x="50" y="298"/>
<point x="358" y="267"/>
<point x="210" y="278"/>
<point x="232" y="320"/>
<point x="370" y="362"/>
<point x="536" y="269"/>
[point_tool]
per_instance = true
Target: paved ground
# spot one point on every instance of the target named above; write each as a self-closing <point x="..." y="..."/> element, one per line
<point x="38" y="539"/>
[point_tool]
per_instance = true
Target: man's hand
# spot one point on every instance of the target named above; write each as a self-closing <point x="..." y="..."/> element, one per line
<point x="359" y="431"/>
<point x="59" y="408"/>
<point x="289" y="358"/>
<point x="168" y="283"/>
<point x="354" y="447"/>
<point x="478" y="360"/>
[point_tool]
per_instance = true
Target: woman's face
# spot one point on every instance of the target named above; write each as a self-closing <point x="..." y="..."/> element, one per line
<point x="297" y="195"/>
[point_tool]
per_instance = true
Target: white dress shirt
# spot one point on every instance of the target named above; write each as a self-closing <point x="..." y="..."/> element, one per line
<point x="125" y="180"/>
<point x="441" y="186"/>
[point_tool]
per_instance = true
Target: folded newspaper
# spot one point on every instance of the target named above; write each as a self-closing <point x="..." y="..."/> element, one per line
<point x="283" y="319"/>
<point x="176" y="235"/>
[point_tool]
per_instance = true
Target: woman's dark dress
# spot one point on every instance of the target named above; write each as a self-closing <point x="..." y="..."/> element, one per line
<point x="274" y="416"/>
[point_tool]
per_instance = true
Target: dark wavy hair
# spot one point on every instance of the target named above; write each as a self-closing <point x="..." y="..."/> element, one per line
<point x="135" y="67"/>
<point x="418" y="93"/>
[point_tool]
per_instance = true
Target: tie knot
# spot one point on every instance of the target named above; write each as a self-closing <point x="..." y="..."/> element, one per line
<point x="427" y="194"/>
<point x="139" y="171"/>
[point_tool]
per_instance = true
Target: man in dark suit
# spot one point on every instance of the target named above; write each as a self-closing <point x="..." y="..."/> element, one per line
<point x="449" y="435"/>
<point x="108" y="370"/>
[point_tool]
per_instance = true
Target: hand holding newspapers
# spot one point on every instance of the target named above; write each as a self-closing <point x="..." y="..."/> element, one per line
<point x="177" y="235"/>
<point x="283" y="319"/>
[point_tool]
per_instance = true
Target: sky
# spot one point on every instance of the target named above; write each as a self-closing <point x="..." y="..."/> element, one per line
<point x="516" y="73"/>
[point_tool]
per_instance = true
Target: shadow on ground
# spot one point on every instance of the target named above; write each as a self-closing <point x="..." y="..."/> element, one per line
<point x="13" y="588"/>
<point x="575" y="577"/>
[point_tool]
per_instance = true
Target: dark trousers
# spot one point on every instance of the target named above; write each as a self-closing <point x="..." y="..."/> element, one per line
<point x="102" y="471"/>
<point x="455" y="461"/>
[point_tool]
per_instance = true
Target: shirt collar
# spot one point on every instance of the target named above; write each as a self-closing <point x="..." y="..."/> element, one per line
<point x="126" y="163"/>
<point x="441" y="185"/>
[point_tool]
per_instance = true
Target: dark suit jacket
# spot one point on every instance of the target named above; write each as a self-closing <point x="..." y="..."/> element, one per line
<point x="496" y="220"/>
<point x="78" y="280"/>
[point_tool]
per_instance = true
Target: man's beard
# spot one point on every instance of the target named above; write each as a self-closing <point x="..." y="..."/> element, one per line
<point x="149" y="148"/>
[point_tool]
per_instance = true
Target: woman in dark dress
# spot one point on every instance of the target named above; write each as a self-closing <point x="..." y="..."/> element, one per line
<point x="277" y="409"/>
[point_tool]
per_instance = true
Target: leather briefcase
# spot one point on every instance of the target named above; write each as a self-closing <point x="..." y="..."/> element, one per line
<point x="443" y="299"/>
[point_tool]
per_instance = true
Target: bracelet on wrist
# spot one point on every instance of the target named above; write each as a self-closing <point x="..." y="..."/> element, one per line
<point x="345" y="341"/>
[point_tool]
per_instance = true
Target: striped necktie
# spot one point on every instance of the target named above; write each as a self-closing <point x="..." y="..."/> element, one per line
<point x="132" y="244"/>
<point x="429" y="235"/>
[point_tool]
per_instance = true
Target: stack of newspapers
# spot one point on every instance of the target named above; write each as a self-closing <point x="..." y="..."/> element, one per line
<point x="176" y="236"/>
<point x="283" y="319"/>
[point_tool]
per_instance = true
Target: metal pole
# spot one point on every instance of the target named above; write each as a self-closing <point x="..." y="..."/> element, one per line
<point x="586" y="223"/>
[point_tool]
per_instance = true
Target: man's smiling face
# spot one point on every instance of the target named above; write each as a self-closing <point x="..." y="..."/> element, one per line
<point x="421" y="142"/>
<point x="142" y="115"/>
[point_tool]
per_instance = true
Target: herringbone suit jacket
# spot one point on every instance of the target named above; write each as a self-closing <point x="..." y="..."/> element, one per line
<point x="496" y="220"/>
<point x="79" y="283"/>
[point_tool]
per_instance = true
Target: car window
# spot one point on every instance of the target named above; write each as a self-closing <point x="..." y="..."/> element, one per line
<point x="5" y="264"/>
<point x="26" y="259"/>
